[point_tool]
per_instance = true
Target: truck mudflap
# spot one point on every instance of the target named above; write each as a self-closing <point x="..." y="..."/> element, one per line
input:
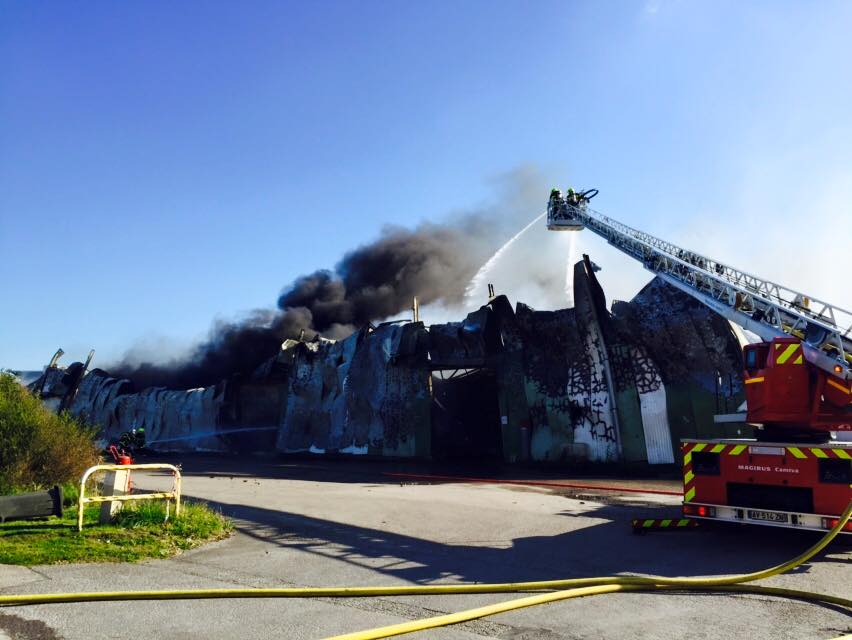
<point x="764" y="517"/>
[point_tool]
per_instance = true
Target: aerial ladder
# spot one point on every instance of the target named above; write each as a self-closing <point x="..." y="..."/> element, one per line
<point x="797" y="380"/>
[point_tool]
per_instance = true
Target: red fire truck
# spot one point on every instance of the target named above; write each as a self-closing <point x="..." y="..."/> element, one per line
<point x="795" y="476"/>
<point x="797" y="472"/>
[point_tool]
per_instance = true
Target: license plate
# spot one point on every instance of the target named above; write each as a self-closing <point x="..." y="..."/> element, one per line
<point x="767" y="516"/>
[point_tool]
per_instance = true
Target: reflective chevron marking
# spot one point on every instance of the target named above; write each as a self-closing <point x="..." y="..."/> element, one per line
<point x="663" y="523"/>
<point x="787" y="353"/>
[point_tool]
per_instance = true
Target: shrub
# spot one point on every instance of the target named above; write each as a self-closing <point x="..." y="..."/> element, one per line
<point x="39" y="449"/>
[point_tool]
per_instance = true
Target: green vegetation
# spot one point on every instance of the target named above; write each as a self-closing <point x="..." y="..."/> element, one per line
<point x="138" y="533"/>
<point x="39" y="449"/>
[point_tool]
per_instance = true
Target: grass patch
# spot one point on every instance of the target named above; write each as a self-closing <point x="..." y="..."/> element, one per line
<point x="139" y="533"/>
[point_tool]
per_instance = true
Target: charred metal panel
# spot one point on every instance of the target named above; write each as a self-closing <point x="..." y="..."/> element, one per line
<point x="597" y="427"/>
<point x="681" y="335"/>
<point x="631" y="434"/>
<point x="342" y="431"/>
<point x="258" y="407"/>
<point x="388" y="391"/>
<point x="515" y="424"/>
<point x="173" y="420"/>
<point x="471" y="342"/>
<point x="696" y="354"/>
<point x="445" y="343"/>
<point x="96" y="395"/>
<point x="554" y="363"/>
<point x="306" y="427"/>
<point x="637" y="376"/>
<point x="404" y="412"/>
<point x="58" y="385"/>
<point x="365" y="394"/>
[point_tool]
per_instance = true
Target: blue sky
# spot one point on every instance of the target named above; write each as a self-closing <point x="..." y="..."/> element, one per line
<point x="163" y="164"/>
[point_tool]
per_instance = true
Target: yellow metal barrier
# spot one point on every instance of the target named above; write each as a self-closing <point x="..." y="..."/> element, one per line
<point x="174" y="494"/>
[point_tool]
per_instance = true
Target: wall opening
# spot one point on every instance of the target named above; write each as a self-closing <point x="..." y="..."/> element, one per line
<point x="465" y="415"/>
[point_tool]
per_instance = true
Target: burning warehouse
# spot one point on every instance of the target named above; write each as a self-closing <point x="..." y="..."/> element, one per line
<point x="588" y="383"/>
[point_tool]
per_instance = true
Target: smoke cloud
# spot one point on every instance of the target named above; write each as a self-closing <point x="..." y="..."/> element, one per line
<point x="432" y="261"/>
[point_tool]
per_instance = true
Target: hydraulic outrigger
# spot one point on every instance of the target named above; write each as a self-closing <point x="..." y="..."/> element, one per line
<point x="797" y="385"/>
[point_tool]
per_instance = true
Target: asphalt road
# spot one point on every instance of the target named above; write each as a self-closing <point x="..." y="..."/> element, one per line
<point x="333" y="524"/>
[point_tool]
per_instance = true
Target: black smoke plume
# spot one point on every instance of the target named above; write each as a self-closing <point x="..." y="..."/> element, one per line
<point x="379" y="280"/>
<point x="434" y="262"/>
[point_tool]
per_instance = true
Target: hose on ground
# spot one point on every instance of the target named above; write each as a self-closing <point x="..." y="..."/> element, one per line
<point x="585" y="587"/>
<point x="570" y="588"/>
<point x="582" y="592"/>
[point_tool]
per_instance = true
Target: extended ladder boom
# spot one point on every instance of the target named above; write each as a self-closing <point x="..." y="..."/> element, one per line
<point x="765" y="308"/>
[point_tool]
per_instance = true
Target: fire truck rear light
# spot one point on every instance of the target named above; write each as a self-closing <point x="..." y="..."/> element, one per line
<point x="699" y="510"/>
<point x="830" y="523"/>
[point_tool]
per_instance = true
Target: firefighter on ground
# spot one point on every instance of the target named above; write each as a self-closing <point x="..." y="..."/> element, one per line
<point x="133" y="440"/>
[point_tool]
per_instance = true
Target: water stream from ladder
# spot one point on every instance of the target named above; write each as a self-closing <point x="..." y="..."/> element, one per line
<point x="569" y="268"/>
<point x="476" y="289"/>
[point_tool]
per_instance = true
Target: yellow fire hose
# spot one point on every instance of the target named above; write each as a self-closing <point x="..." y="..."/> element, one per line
<point x="597" y="586"/>
<point x="571" y="588"/>
<point x="581" y="592"/>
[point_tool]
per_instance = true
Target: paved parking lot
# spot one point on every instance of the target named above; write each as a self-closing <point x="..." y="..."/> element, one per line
<point x="329" y="524"/>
